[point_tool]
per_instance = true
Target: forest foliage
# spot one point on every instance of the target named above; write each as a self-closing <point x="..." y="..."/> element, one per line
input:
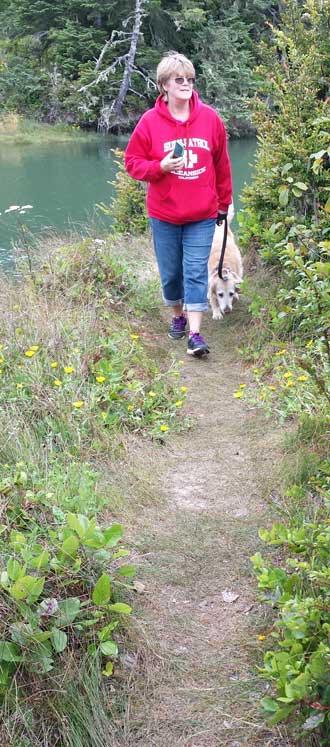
<point x="51" y="54"/>
<point x="286" y="220"/>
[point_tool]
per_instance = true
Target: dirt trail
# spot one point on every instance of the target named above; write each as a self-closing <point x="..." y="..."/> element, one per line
<point x="193" y="682"/>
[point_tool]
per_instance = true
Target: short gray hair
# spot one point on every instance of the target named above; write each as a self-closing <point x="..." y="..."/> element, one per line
<point x="173" y="62"/>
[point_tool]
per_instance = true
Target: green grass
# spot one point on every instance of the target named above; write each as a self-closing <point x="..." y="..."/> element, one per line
<point x="17" y="130"/>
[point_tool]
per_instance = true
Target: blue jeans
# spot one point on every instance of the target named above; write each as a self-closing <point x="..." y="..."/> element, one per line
<point x="182" y="254"/>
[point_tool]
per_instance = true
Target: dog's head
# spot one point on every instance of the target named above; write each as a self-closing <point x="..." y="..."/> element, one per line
<point x="225" y="289"/>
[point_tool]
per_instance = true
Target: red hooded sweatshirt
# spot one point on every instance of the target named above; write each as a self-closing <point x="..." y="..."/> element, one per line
<point x="203" y="186"/>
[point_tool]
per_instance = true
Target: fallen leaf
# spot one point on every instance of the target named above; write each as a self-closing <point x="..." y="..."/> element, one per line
<point x="229" y="596"/>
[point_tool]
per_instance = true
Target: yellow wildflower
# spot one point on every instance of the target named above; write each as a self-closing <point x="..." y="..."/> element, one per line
<point x="100" y="379"/>
<point x="134" y="337"/>
<point x="242" y="386"/>
<point x="262" y="395"/>
<point x="19" y="386"/>
<point x="303" y="378"/>
<point x="103" y="415"/>
<point x="281" y="352"/>
<point x="30" y="353"/>
<point x="180" y="363"/>
<point x="176" y="373"/>
<point x="2" y="360"/>
<point x="151" y="394"/>
<point x="289" y="383"/>
<point x="164" y="428"/>
<point x="183" y="388"/>
<point x="130" y="407"/>
<point x="261" y="637"/>
<point x="238" y="395"/>
<point x="179" y="403"/>
<point x="54" y="364"/>
<point x="57" y="382"/>
<point x="288" y="374"/>
<point x="34" y="348"/>
<point x="272" y="388"/>
<point x="68" y="369"/>
<point x="256" y="370"/>
<point x="309" y="343"/>
<point x="78" y="404"/>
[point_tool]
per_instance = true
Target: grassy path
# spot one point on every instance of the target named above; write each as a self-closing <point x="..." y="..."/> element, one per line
<point x="195" y="509"/>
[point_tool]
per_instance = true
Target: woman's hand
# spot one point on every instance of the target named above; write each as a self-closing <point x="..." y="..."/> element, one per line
<point x="172" y="164"/>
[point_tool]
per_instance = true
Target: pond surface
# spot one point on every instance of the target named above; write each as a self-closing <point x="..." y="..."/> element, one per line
<point x="64" y="182"/>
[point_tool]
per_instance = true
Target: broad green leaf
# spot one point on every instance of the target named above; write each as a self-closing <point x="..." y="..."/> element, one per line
<point x="16" y="540"/>
<point x="22" y="587"/>
<point x="121" y="554"/>
<point x="4" y="580"/>
<point x="120" y="607"/>
<point x="79" y="523"/>
<point x="68" y="610"/>
<point x="301" y="185"/>
<point x="9" y="651"/>
<point x="128" y="571"/>
<point x="108" y="671"/>
<point x="269" y="704"/>
<point x="14" y="569"/>
<point x="59" y="640"/>
<point x="70" y="546"/>
<point x="36" y="590"/>
<point x="41" y="561"/>
<point x="284" y="197"/>
<point x="105" y="632"/>
<point x="113" y="534"/>
<point x="94" y="539"/>
<point x="102" y="590"/>
<point x="109" y="648"/>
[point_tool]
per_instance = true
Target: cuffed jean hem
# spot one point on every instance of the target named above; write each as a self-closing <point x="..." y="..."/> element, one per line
<point x="195" y="307"/>
<point x="179" y="302"/>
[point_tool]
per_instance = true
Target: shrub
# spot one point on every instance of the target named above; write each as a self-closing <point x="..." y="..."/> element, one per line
<point x="128" y="207"/>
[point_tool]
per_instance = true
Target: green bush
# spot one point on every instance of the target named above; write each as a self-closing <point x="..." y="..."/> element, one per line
<point x="298" y="664"/>
<point x="128" y="207"/>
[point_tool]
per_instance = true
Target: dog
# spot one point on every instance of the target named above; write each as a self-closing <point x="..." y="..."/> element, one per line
<point x="222" y="293"/>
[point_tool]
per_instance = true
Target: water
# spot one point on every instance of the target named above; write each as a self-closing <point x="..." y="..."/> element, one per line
<point x="64" y="182"/>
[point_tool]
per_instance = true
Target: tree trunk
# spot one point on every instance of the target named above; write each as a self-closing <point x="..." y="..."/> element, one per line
<point x="129" y="61"/>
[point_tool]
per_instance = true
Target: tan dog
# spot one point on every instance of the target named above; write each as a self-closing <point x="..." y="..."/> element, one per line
<point x="222" y="293"/>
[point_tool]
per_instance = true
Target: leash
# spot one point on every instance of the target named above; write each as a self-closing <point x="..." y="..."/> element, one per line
<point x="223" y="249"/>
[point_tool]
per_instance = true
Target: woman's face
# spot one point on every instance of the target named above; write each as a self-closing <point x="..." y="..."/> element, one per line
<point x="179" y="87"/>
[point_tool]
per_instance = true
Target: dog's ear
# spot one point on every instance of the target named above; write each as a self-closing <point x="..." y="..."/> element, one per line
<point x="236" y="278"/>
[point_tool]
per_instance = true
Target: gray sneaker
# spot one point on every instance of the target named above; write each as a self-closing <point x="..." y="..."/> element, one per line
<point x="177" y="328"/>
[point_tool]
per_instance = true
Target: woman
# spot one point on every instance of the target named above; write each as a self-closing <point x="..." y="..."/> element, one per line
<point x="186" y="195"/>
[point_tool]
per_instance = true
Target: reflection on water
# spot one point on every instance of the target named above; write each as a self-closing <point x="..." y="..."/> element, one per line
<point x="65" y="181"/>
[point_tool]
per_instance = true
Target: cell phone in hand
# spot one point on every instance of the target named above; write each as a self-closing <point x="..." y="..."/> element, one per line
<point x="178" y="150"/>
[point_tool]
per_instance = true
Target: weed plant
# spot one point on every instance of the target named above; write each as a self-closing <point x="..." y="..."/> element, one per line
<point x="77" y="377"/>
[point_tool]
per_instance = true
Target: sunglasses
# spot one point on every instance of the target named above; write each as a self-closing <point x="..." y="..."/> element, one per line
<point x="180" y="80"/>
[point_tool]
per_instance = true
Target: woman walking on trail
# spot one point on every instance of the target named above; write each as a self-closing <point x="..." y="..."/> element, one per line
<point x="187" y="193"/>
